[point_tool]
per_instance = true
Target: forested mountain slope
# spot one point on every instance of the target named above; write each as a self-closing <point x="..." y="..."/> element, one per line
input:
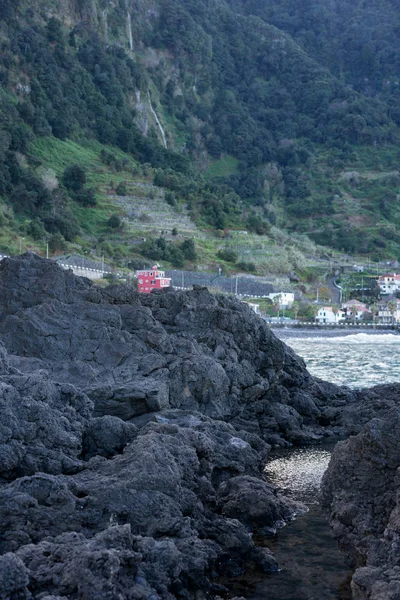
<point x="282" y="88"/>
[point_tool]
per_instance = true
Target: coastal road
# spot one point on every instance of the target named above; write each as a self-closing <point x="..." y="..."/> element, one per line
<point x="335" y="292"/>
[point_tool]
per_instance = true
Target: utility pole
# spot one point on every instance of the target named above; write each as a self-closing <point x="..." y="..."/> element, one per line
<point x="236" y="286"/>
<point x="47" y="249"/>
<point x="183" y="279"/>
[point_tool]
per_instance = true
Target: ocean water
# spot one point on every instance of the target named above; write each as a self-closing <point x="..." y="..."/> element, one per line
<point x="356" y="360"/>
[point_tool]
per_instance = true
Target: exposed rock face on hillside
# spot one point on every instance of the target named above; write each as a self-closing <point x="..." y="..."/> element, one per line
<point x="361" y="489"/>
<point x="133" y="435"/>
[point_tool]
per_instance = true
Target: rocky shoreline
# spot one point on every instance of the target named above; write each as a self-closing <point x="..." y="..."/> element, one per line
<point x="361" y="491"/>
<point x="134" y="433"/>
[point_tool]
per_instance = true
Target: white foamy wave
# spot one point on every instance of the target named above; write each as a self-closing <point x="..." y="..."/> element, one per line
<point x="366" y="338"/>
<point x="356" y="360"/>
<point x="357" y="338"/>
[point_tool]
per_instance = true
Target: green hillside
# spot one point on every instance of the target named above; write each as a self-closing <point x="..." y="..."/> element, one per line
<point x="133" y="127"/>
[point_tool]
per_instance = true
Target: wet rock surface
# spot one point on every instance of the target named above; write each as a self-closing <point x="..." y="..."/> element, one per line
<point x="133" y="436"/>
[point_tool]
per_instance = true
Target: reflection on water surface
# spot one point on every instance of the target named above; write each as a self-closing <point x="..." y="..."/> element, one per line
<point x="312" y="568"/>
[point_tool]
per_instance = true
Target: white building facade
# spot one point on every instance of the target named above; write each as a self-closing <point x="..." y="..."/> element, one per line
<point x="286" y="299"/>
<point x="389" y="284"/>
<point x="327" y="315"/>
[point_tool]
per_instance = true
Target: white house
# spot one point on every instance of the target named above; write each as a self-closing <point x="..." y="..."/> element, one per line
<point x="327" y="315"/>
<point x="355" y="309"/>
<point x="389" y="284"/>
<point x="286" y="299"/>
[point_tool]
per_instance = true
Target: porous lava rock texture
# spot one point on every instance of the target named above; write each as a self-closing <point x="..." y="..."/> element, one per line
<point x="133" y="436"/>
<point x="361" y="489"/>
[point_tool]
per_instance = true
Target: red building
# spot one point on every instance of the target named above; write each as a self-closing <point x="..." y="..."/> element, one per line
<point x="152" y="279"/>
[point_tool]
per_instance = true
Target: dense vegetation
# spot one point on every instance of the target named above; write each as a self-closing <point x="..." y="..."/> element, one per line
<point x="296" y="93"/>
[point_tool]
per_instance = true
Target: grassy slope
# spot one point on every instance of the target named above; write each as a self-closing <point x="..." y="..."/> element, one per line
<point x="56" y="155"/>
<point x="273" y="253"/>
<point x="225" y="166"/>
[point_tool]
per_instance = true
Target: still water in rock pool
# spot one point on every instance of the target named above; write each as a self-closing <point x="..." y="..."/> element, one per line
<point x="312" y="568"/>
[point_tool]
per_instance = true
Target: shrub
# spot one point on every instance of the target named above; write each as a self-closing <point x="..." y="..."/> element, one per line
<point x="57" y="242"/>
<point x="227" y="255"/>
<point x="122" y="189"/>
<point x="114" y="222"/>
<point x="86" y="197"/>
<point x="246" y="266"/>
<point x="188" y="249"/>
<point x="170" y="198"/>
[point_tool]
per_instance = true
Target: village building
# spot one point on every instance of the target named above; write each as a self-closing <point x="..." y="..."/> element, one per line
<point x="286" y="299"/>
<point x="388" y="310"/>
<point x="326" y="314"/>
<point x="354" y="309"/>
<point x="254" y="307"/>
<point x="389" y="284"/>
<point x="151" y="279"/>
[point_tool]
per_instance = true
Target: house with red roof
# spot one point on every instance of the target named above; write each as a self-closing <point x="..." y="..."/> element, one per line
<point x="355" y="309"/>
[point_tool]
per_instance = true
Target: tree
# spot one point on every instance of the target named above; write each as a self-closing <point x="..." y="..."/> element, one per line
<point x="353" y="311"/>
<point x="57" y="242"/>
<point x="277" y="303"/>
<point x="188" y="249"/>
<point x="392" y="306"/>
<point x="114" y="222"/>
<point x="374" y="311"/>
<point x="86" y="197"/>
<point x="335" y="310"/>
<point x="74" y="178"/>
<point x="54" y="30"/>
<point x="170" y="198"/>
<point x="122" y="189"/>
<point x="295" y="308"/>
<point x="36" y="229"/>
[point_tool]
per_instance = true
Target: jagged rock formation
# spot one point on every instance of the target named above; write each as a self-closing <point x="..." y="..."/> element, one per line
<point x="134" y="433"/>
<point x="361" y="490"/>
<point x="183" y="350"/>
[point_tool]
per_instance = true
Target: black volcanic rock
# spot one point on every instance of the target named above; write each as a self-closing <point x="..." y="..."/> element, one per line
<point x="134" y="433"/>
<point x="41" y="426"/>
<point x="361" y="490"/>
<point x="136" y="354"/>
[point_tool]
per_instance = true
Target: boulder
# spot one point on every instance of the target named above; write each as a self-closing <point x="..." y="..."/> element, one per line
<point x="361" y="489"/>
